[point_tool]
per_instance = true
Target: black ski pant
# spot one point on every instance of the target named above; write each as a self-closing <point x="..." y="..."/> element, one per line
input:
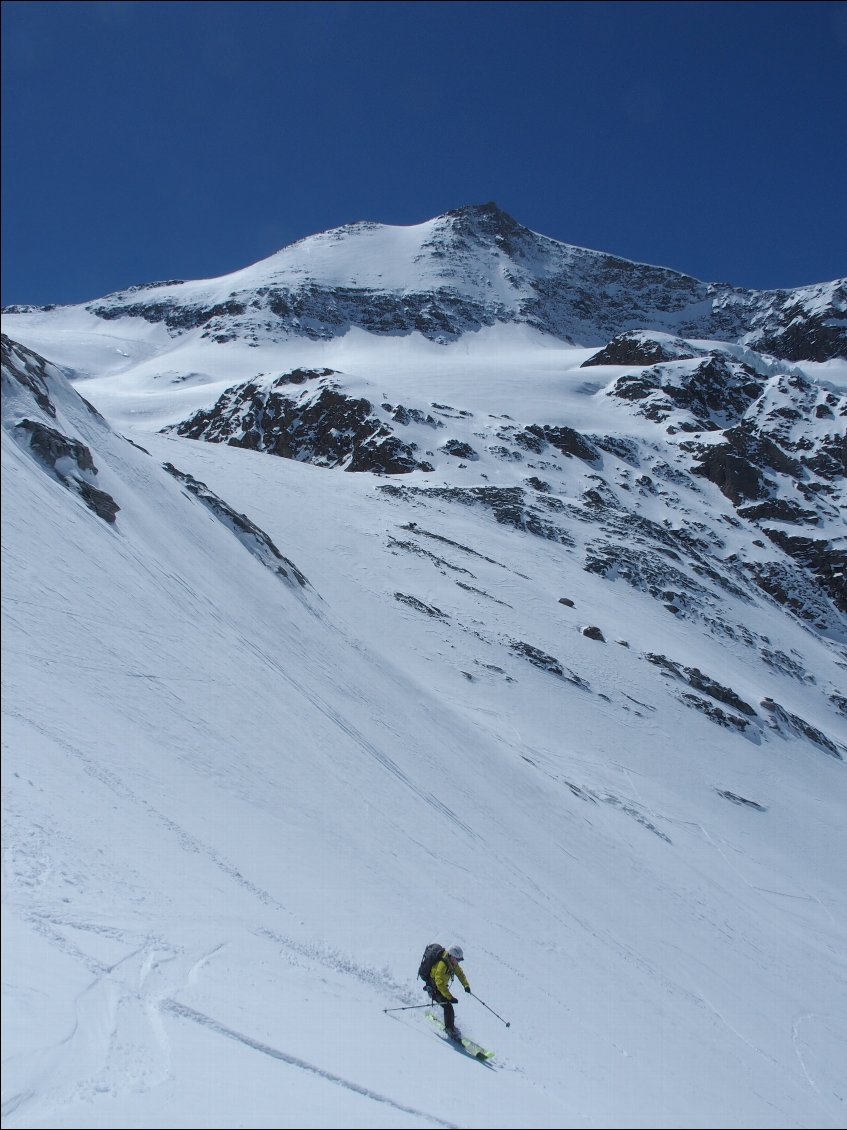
<point x="449" y="1014"/>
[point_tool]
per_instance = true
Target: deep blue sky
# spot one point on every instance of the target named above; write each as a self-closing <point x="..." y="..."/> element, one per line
<point x="153" y="140"/>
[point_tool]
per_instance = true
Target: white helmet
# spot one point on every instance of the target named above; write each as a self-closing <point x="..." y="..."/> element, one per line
<point x="457" y="953"/>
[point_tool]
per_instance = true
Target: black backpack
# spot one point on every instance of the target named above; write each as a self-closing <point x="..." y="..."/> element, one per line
<point x="431" y="954"/>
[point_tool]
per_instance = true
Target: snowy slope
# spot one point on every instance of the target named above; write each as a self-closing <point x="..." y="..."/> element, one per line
<point x="269" y="728"/>
<point x="237" y="805"/>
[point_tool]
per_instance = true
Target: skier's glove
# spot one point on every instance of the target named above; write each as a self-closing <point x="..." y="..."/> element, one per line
<point x="454" y="1000"/>
<point x="467" y="988"/>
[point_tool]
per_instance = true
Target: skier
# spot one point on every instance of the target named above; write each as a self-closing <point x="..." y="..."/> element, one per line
<point x="438" y="985"/>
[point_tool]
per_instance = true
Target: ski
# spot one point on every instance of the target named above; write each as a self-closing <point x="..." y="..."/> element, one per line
<point x="463" y="1044"/>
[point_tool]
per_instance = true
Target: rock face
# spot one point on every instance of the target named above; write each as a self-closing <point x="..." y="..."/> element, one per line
<point x="772" y="441"/>
<point x="638" y="347"/>
<point x="321" y="425"/>
<point x="72" y="463"/>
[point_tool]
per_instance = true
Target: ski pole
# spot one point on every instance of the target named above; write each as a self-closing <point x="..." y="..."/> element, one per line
<point x="499" y="1017"/>
<point x="405" y="1008"/>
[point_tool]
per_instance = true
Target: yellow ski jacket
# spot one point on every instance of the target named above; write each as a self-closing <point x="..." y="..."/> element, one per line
<point x="442" y="975"/>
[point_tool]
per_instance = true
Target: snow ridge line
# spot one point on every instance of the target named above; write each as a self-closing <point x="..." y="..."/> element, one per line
<point x="208" y="1022"/>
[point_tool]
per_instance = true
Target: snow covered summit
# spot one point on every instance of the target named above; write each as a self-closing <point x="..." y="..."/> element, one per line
<point x="471" y="268"/>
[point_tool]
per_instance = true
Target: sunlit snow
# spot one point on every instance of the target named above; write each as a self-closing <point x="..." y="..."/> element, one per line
<point x="237" y="808"/>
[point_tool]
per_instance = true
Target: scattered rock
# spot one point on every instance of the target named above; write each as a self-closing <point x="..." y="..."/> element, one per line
<point x="547" y="663"/>
<point x="781" y="720"/>
<point x="695" y="678"/>
<point x="714" y="713"/>
<point x="459" y="449"/>
<point x="740" y="800"/>
<point x="420" y="606"/>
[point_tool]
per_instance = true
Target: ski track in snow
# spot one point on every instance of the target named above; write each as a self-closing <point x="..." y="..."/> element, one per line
<point x="307" y="692"/>
<point x="124" y="997"/>
<point x="827" y="1022"/>
<point x="117" y="1041"/>
<point x="191" y="1014"/>
<point x="186" y="840"/>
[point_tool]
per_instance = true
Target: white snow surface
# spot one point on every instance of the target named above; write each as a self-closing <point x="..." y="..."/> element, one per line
<point x="236" y="810"/>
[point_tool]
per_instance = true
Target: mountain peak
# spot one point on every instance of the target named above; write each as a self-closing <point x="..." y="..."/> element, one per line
<point x="489" y="209"/>
<point x="486" y="219"/>
<point x="469" y="268"/>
